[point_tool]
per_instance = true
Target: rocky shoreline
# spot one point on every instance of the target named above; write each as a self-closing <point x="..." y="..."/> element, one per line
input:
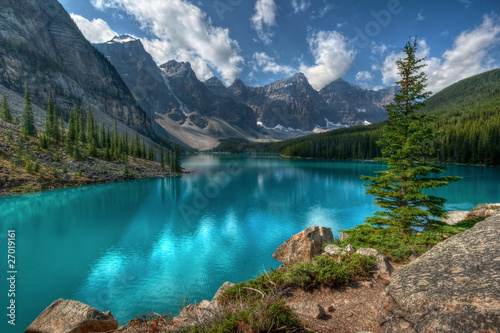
<point x="24" y="167"/>
<point x="91" y="171"/>
<point x="454" y="287"/>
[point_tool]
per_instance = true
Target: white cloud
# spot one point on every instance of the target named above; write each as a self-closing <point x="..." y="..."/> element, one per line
<point x="268" y="64"/>
<point x="333" y="56"/>
<point x="364" y="76"/>
<point x="300" y="5"/>
<point x="469" y="56"/>
<point x="183" y="32"/>
<point x="322" y="12"/>
<point x="96" y="31"/>
<point x="466" y="3"/>
<point x="420" y="17"/>
<point x="264" y="18"/>
<point x="378" y="49"/>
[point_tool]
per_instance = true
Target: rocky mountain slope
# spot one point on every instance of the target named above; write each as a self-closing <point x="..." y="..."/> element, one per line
<point x="357" y="106"/>
<point x="42" y="48"/>
<point x="293" y="104"/>
<point x="174" y="99"/>
<point x="200" y="113"/>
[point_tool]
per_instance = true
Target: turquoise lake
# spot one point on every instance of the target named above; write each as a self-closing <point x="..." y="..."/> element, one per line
<point x="146" y="245"/>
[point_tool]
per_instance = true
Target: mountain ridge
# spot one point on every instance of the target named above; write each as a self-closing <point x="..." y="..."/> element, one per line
<point x="287" y="108"/>
<point x="42" y="49"/>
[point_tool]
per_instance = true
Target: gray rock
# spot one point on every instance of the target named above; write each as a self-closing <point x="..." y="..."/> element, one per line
<point x="308" y="309"/>
<point x="367" y="251"/>
<point x="333" y="250"/>
<point x="384" y="268"/>
<point x="221" y="290"/>
<point x="303" y="246"/>
<point x="348" y="249"/>
<point x="454" y="287"/>
<point x="455" y="217"/>
<point x="67" y="316"/>
<point x="288" y="102"/>
<point x="485" y="210"/>
<point x="343" y="236"/>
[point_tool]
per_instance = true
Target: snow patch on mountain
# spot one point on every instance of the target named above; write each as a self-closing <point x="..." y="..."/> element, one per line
<point x="122" y="39"/>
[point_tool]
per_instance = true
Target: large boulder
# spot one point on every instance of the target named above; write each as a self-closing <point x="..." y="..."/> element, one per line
<point x="67" y="316"/>
<point x="303" y="246"/>
<point x="455" y="287"/>
<point x="308" y="309"/>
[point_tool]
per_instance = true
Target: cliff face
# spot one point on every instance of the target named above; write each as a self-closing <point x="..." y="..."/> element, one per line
<point x="141" y="75"/>
<point x="356" y="106"/>
<point x="174" y="99"/>
<point x="202" y="103"/>
<point x="42" y="48"/>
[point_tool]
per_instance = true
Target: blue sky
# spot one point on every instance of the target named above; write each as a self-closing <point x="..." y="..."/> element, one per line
<point x="261" y="41"/>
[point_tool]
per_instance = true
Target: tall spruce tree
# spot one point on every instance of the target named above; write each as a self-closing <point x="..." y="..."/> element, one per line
<point x="28" y="120"/>
<point x="51" y="118"/>
<point x="176" y="161"/>
<point x="407" y="146"/>
<point x="5" y="112"/>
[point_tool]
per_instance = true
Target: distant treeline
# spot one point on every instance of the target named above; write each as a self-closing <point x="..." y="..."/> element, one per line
<point x="467" y="115"/>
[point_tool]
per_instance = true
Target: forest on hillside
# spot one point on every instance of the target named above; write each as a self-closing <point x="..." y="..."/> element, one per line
<point x="467" y="117"/>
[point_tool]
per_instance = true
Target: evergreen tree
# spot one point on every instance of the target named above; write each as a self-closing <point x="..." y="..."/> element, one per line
<point x="91" y="127"/>
<point x="5" y="113"/>
<point x="115" y="148"/>
<point x="167" y="158"/>
<point x="143" y="149"/>
<point x="137" y="146"/>
<point x="81" y="127"/>
<point x="71" y="134"/>
<point x="28" y="120"/>
<point x="102" y="135"/>
<point x="176" y="164"/>
<point x="51" y="120"/>
<point x="151" y="153"/>
<point x="125" y="144"/>
<point x="407" y="146"/>
<point x="162" y="157"/>
<point x="61" y="127"/>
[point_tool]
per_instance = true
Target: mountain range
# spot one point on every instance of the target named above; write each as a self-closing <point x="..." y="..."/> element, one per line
<point x="201" y="113"/>
<point x="467" y="117"/>
<point x="42" y="49"/>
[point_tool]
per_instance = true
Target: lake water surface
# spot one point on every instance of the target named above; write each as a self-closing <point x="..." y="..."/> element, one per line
<point x="149" y="245"/>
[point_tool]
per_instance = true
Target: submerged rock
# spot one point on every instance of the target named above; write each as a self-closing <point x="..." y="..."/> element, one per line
<point x="303" y="246"/>
<point x="67" y="316"/>
<point x="455" y="287"/>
